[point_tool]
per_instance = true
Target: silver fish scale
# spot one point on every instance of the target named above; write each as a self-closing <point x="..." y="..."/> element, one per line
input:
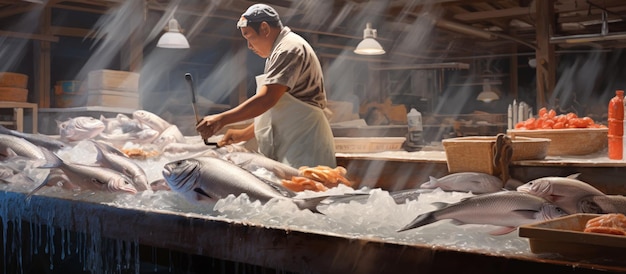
<point x="507" y="208"/>
<point x="20" y="146"/>
<point x="218" y="178"/>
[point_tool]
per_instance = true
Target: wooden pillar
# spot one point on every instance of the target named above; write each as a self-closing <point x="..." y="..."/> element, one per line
<point x="546" y="62"/>
<point x="132" y="53"/>
<point x="41" y="54"/>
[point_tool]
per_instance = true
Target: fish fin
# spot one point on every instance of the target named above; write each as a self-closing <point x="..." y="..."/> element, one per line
<point x="586" y="206"/>
<point x="52" y="160"/>
<point x="201" y="192"/>
<point x="40" y="186"/>
<point x="420" y="220"/>
<point x="573" y="176"/>
<point x="440" y="205"/>
<point x="503" y="230"/>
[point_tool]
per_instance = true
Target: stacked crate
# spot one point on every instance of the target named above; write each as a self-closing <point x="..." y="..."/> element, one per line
<point x="113" y="88"/>
<point x="67" y="93"/>
<point x="13" y="87"/>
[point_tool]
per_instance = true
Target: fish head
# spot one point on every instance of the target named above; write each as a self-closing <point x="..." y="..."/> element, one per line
<point x="550" y="211"/>
<point x="182" y="175"/>
<point x="541" y="187"/>
<point x="121" y="184"/>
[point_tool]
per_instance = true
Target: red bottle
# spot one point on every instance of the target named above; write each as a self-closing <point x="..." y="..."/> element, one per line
<point x="616" y="125"/>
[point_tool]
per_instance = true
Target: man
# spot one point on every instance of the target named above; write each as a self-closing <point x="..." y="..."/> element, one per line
<point x="289" y="122"/>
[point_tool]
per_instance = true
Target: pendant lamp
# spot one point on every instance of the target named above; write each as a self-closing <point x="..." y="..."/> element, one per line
<point x="369" y="45"/>
<point x="173" y="39"/>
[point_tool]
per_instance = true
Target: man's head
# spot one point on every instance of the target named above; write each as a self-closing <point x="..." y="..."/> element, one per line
<point x="260" y="24"/>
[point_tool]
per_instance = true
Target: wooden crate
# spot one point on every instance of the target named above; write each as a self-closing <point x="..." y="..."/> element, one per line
<point x="113" y="80"/>
<point x="13" y="80"/>
<point x="13" y="94"/>
<point x="566" y="236"/>
<point x="110" y="98"/>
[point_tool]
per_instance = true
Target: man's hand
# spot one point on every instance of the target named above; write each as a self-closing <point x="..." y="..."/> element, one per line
<point x="233" y="136"/>
<point x="209" y="125"/>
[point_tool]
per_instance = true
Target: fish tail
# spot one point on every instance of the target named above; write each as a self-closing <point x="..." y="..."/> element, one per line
<point x="421" y="220"/>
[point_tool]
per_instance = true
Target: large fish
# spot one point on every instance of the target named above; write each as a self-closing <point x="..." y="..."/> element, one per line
<point x="564" y="192"/>
<point x="475" y="182"/>
<point x="36" y="139"/>
<point x="80" y="128"/>
<point x="150" y="119"/>
<point x="603" y="204"/>
<point x="11" y="145"/>
<point x="121" y="163"/>
<point x="509" y="209"/>
<point x="208" y="179"/>
<point x="88" y="177"/>
<point x="253" y="161"/>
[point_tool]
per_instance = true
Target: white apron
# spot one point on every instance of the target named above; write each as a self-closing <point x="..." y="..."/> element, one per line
<point x="294" y="132"/>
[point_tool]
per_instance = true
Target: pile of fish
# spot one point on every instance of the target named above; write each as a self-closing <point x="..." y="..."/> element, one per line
<point x="206" y="174"/>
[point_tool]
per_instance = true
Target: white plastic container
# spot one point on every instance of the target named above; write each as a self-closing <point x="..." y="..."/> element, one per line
<point x="414" y="120"/>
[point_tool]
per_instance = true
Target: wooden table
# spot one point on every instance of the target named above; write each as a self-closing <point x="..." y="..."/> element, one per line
<point x="18" y="114"/>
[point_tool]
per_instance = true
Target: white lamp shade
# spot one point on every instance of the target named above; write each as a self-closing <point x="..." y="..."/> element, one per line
<point x="369" y="46"/>
<point x="487" y="95"/>
<point x="173" y="39"/>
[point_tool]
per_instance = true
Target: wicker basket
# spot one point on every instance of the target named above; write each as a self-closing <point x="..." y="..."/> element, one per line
<point x="475" y="154"/>
<point x="13" y="80"/>
<point x="569" y="141"/>
<point x="13" y="94"/>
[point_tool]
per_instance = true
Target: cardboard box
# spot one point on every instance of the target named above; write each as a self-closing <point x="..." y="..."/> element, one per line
<point x="113" y="80"/>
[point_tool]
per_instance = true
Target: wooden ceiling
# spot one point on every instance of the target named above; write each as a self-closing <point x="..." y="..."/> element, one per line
<point x="413" y="31"/>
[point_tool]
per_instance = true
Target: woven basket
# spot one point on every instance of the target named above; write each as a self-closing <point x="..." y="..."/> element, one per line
<point x="568" y="141"/>
<point x="13" y="80"/>
<point x="13" y="94"/>
<point x="475" y="154"/>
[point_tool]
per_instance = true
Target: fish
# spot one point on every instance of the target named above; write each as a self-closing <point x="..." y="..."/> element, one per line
<point x="253" y="161"/>
<point x="138" y="137"/>
<point x="121" y="163"/>
<point x="152" y="120"/>
<point x="209" y="179"/>
<point x="11" y="145"/>
<point x="176" y="148"/>
<point x="36" y="139"/>
<point x="564" y="192"/>
<point x="475" y="182"/>
<point x="170" y="135"/>
<point x="508" y="209"/>
<point x="603" y="204"/>
<point x="88" y="177"/>
<point x="159" y="184"/>
<point x="80" y="128"/>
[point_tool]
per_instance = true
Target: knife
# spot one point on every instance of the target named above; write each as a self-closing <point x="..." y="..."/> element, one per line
<point x="194" y="105"/>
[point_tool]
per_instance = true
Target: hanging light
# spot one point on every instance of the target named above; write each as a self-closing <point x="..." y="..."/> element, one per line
<point x="369" y="45"/>
<point x="487" y="95"/>
<point x="173" y="39"/>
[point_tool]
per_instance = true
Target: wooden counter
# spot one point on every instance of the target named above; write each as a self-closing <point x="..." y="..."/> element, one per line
<point x="396" y="170"/>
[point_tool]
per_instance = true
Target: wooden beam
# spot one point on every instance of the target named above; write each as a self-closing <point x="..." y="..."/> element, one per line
<point x="546" y="62"/>
<point x="569" y="6"/>
<point x="31" y="36"/>
<point x="42" y="62"/>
